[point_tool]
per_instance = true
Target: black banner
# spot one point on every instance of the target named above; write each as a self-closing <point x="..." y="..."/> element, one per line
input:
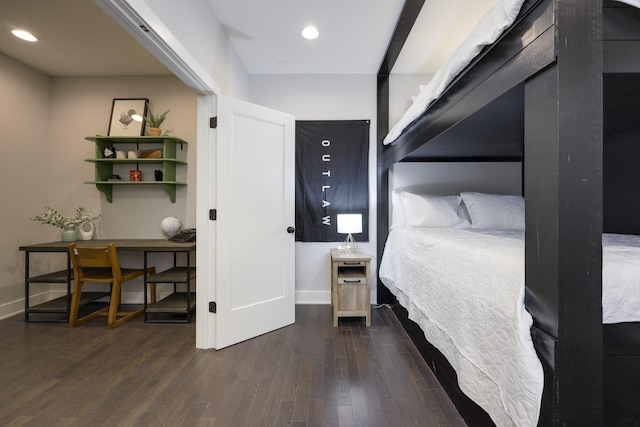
<point x="332" y="177"/>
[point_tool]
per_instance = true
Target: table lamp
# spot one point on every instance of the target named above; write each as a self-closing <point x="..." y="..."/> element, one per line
<point x="349" y="224"/>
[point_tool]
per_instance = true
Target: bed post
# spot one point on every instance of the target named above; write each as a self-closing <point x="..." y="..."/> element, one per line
<point x="407" y="18"/>
<point x="383" y="295"/>
<point x="563" y="189"/>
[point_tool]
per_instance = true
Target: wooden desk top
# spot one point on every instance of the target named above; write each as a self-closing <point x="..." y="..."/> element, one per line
<point x="140" y="245"/>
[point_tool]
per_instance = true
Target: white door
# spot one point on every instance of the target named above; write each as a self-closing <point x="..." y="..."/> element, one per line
<point x="255" y="215"/>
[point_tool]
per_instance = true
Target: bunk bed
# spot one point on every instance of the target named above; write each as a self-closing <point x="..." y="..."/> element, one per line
<point x="556" y="91"/>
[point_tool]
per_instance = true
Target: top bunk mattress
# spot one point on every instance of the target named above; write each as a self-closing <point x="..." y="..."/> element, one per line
<point x="487" y="31"/>
<point x="492" y="24"/>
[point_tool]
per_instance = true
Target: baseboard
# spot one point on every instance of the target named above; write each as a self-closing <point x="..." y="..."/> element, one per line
<point x="12" y="308"/>
<point x="16" y="307"/>
<point x="321" y="297"/>
<point x="313" y="297"/>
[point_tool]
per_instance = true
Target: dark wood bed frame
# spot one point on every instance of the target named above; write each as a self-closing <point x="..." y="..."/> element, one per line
<point x="559" y="92"/>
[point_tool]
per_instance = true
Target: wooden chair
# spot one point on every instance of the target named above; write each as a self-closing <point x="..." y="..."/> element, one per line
<point x="101" y="265"/>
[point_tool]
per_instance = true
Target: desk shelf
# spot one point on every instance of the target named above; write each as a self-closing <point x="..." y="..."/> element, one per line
<point x="179" y="305"/>
<point x="57" y="309"/>
<point x="174" y="303"/>
<point x="62" y="276"/>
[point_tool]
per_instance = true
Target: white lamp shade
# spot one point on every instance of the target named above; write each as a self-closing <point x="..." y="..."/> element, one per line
<point x="349" y="223"/>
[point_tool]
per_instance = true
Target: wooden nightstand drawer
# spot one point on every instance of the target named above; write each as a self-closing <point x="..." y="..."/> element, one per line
<point x="352" y="276"/>
<point x="352" y="263"/>
<point x="354" y="281"/>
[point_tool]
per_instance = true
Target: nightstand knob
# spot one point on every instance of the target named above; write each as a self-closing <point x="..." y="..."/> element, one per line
<point x="291" y="230"/>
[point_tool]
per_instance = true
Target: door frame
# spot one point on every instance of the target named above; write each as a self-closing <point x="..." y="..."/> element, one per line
<point x="131" y="14"/>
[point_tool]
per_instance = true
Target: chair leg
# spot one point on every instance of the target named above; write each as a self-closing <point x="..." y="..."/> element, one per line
<point x="75" y="304"/>
<point x="114" y="304"/>
<point x="74" y="310"/>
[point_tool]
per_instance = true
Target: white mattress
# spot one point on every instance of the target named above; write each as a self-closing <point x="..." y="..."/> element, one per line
<point x="497" y="19"/>
<point x="492" y="24"/>
<point x="466" y="291"/>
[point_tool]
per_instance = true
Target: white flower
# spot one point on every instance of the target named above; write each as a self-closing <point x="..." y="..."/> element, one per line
<point x="51" y="216"/>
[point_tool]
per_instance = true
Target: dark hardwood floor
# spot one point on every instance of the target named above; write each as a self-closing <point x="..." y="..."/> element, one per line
<point x="143" y="374"/>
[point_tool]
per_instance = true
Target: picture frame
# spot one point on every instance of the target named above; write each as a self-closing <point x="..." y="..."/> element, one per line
<point x="127" y="117"/>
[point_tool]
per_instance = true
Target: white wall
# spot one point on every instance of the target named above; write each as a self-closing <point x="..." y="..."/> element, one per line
<point x="25" y="119"/>
<point x="196" y="27"/>
<point x="81" y="107"/>
<point x="454" y="177"/>
<point x="323" y="97"/>
<point x="402" y="89"/>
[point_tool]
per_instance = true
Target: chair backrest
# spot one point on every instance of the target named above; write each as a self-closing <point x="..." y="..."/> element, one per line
<point x="94" y="257"/>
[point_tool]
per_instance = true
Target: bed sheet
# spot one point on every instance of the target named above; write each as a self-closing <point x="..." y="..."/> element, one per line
<point x="620" y="278"/>
<point x="474" y="316"/>
<point x="465" y="289"/>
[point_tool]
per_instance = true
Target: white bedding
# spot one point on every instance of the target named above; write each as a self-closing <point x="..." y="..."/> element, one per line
<point x="486" y="31"/>
<point x="466" y="291"/>
<point x="497" y="19"/>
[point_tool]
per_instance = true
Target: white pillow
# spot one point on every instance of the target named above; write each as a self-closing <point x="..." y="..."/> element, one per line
<point x="423" y="210"/>
<point x="494" y="211"/>
<point x="397" y="211"/>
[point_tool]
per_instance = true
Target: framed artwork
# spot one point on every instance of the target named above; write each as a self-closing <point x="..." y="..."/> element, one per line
<point x="127" y="117"/>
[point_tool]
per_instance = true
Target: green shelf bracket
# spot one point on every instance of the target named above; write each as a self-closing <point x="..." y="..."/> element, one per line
<point x="171" y="189"/>
<point x="107" y="189"/>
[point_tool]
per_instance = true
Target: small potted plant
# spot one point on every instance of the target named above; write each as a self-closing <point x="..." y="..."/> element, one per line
<point x="155" y="121"/>
<point x="51" y="216"/>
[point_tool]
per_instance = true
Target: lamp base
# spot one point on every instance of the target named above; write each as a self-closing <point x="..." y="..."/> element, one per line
<point x="350" y="245"/>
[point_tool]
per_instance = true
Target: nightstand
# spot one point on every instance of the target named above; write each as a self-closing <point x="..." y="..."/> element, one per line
<point x="350" y="293"/>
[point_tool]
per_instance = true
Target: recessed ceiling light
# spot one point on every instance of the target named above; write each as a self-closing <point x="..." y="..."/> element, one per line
<point x="24" y="35"/>
<point x="310" y="32"/>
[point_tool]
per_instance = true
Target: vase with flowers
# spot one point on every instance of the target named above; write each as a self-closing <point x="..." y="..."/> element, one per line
<point x="69" y="225"/>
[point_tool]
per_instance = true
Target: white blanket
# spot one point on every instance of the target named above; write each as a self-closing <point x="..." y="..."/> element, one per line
<point x="486" y="31"/>
<point x="494" y="22"/>
<point x="466" y="291"/>
<point x="635" y="3"/>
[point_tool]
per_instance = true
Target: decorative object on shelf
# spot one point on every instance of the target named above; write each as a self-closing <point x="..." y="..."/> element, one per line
<point x="135" y="175"/>
<point x="127" y="117"/>
<point x="114" y="178"/>
<point x="86" y="230"/>
<point x="151" y="154"/>
<point x="348" y="224"/>
<point x="170" y="225"/>
<point x="51" y="216"/>
<point x="155" y="122"/>
<point x="133" y="154"/>
<point x="109" y="152"/>
<point x="158" y="175"/>
<point x="121" y="154"/>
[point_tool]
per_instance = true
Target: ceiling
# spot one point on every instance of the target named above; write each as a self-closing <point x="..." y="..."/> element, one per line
<point x="76" y="38"/>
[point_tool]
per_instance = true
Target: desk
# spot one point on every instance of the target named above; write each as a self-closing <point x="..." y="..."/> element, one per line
<point x="178" y="303"/>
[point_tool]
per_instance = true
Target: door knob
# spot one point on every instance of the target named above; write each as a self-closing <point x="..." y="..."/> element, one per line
<point x="291" y="230"/>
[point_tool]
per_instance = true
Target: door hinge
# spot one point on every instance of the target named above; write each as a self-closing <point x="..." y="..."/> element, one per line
<point x="213" y="122"/>
<point x="213" y="214"/>
<point x="213" y="308"/>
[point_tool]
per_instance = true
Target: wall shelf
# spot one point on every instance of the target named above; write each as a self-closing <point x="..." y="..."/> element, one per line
<point x="168" y="162"/>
